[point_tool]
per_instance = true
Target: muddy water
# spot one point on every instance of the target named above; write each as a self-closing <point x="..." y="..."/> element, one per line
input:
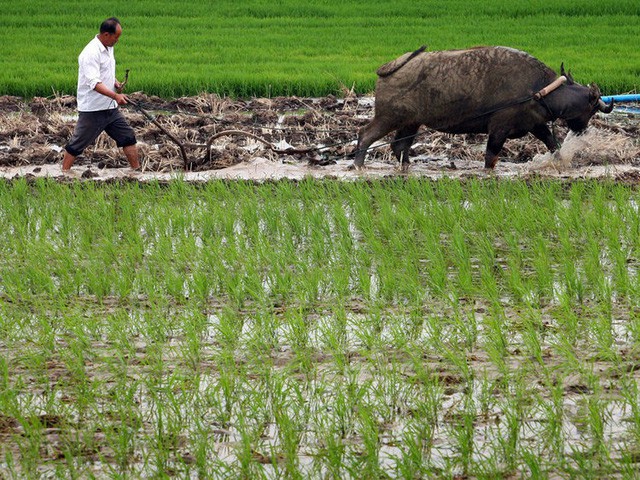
<point x="490" y="405"/>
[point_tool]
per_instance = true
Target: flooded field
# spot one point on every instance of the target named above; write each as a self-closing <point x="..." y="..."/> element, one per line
<point x="33" y="134"/>
<point x="395" y="328"/>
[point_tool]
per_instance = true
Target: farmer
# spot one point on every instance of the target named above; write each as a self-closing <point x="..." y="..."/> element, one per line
<point x="98" y="98"/>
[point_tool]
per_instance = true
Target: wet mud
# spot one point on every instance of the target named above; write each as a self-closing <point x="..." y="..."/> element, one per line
<point x="290" y="137"/>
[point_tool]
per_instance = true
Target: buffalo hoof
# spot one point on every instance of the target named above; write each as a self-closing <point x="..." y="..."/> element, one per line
<point x="353" y="166"/>
<point x="489" y="164"/>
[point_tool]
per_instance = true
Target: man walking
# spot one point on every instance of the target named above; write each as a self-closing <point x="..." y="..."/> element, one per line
<point x="98" y="98"/>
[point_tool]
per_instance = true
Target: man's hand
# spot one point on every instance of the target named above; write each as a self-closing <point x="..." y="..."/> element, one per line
<point x="121" y="99"/>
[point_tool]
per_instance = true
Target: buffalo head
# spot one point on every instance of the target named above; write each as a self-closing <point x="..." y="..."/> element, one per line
<point x="580" y="103"/>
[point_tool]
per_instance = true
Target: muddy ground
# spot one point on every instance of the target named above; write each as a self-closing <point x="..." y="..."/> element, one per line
<point x="290" y="137"/>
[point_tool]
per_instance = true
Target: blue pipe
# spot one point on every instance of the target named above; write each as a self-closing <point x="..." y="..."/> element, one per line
<point x="622" y="98"/>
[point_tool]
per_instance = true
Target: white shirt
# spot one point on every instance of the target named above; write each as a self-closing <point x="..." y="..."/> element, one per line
<point x="96" y="64"/>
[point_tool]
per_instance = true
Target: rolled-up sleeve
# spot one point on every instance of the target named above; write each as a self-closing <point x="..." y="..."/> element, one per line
<point x="90" y="70"/>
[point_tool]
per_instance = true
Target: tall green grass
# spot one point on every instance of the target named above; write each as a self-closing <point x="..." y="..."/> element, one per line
<point x="289" y="48"/>
<point x="319" y="329"/>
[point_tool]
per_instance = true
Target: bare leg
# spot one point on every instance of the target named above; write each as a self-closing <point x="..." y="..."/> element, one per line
<point x="67" y="161"/>
<point x="131" y="152"/>
<point x="366" y="137"/>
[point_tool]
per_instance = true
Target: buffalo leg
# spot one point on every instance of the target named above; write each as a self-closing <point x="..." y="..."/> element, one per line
<point x="543" y="133"/>
<point x="367" y="135"/>
<point x="402" y="144"/>
<point x="494" y="145"/>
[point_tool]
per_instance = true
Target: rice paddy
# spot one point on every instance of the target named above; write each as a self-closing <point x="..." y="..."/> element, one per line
<point x="401" y="328"/>
<point x="392" y="328"/>
<point x="260" y="48"/>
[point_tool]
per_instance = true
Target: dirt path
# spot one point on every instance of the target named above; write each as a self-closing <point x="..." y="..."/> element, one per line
<point x="32" y="134"/>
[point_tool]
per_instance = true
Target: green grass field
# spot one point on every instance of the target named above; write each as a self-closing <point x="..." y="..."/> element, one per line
<point x="265" y="48"/>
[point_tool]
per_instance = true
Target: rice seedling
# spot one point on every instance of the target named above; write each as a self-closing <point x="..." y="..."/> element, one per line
<point x="464" y="434"/>
<point x="310" y="50"/>
<point x="318" y="329"/>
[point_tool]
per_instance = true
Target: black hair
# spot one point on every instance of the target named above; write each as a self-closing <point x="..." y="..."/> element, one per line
<point x="109" y="25"/>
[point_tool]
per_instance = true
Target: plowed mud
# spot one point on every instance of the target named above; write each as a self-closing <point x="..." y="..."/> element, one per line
<point x="290" y="137"/>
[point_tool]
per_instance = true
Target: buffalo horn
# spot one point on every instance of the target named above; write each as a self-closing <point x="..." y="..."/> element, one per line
<point x="604" y="108"/>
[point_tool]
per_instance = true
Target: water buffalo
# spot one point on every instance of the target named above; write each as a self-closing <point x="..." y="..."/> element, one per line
<point x="494" y="90"/>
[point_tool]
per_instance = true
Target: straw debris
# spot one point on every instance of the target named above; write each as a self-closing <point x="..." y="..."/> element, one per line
<point x="34" y="133"/>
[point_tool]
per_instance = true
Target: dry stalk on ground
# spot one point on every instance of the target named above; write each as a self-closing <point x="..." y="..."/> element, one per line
<point x="34" y="133"/>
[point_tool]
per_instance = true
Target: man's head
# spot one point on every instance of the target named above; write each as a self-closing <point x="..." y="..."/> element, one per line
<point x="110" y="31"/>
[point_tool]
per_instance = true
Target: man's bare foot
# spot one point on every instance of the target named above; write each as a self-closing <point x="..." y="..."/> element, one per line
<point x="68" y="172"/>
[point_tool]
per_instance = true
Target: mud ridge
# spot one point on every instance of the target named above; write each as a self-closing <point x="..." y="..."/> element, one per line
<point x="33" y="133"/>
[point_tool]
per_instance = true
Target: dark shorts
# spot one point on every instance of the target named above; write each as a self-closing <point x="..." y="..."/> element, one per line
<point x="92" y="124"/>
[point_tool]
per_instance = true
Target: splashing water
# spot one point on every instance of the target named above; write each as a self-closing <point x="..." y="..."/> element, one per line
<point x="593" y="147"/>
